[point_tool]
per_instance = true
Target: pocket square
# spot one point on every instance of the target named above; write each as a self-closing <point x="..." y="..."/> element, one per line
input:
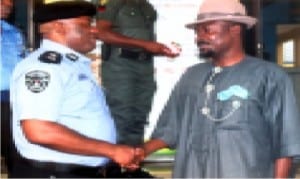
<point x="234" y="90"/>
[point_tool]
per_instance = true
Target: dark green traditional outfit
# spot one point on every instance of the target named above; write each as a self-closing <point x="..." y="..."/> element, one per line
<point x="231" y="122"/>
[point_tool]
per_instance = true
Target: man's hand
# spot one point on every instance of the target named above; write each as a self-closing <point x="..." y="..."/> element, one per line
<point x="139" y="156"/>
<point x="123" y="155"/>
<point x="161" y="49"/>
<point x="283" y="167"/>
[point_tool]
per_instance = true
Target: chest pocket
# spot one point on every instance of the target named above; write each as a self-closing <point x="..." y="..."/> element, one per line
<point x="149" y="14"/>
<point x="136" y="16"/>
<point x="86" y="84"/>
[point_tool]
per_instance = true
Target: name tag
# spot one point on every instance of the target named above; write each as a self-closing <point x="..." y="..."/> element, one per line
<point x="82" y="77"/>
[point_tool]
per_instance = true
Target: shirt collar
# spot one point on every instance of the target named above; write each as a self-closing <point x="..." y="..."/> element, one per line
<point x="50" y="45"/>
<point x="5" y="25"/>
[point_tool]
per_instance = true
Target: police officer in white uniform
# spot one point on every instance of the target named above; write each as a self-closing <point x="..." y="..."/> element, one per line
<point x="62" y="126"/>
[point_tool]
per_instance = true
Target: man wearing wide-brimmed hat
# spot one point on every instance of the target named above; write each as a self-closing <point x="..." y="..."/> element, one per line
<point x="233" y="116"/>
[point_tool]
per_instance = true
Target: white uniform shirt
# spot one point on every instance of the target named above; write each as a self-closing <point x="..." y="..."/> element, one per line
<point x="66" y="93"/>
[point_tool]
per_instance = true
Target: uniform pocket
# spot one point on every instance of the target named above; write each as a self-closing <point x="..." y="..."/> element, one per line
<point x="130" y="17"/>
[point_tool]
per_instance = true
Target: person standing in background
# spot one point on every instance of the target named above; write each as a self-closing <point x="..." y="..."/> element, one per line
<point x="62" y="126"/>
<point x="234" y="116"/>
<point x="126" y="28"/>
<point x="12" y="51"/>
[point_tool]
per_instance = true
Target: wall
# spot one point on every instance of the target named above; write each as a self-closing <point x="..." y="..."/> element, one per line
<point x="292" y="34"/>
<point x="294" y="73"/>
<point x="269" y="19"/>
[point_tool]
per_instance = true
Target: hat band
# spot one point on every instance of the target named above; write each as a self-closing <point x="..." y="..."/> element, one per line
<point x="216" y="14"/>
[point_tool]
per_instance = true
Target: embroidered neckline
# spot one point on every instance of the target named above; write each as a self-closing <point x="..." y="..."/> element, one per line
<point x="209" y="87"/>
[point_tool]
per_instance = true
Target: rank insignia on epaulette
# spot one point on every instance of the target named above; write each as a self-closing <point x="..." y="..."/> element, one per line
<point x="102" y="5"/>
<point x="37" y="81"/>
<point x="72" y="57"/>
<point x="103" y="2"/>
<point x="50" y="57"/>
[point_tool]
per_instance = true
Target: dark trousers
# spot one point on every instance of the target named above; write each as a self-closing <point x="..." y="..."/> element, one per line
<point x="8" y="149"/>
<point x="27" y="169"/>
<point x="129" y="88"/>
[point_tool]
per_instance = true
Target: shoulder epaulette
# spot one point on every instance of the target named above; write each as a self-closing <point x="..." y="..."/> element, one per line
<point x="50" y="57"/>
<point x="72" y="57"/>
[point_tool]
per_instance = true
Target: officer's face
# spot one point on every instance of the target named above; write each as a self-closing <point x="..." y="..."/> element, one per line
<point x="80" y="35"/>
<point x="6" y="6"/>
<point x="214" y="38"/>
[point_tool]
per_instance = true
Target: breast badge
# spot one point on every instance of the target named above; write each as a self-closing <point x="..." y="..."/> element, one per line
<point x="37" y="81"/>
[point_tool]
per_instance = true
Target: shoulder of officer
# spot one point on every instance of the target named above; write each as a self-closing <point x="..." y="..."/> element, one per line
<point x="50" y="57"/>
<point x="56" y="58"/>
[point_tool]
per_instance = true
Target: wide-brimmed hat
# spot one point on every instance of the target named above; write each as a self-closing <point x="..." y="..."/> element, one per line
<point x="227" y="10"/>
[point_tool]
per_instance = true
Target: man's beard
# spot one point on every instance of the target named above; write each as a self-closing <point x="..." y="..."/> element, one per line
<point x="207" y="54"/>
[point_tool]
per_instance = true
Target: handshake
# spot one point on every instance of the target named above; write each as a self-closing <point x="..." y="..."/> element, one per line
<point x="128" y="157"/>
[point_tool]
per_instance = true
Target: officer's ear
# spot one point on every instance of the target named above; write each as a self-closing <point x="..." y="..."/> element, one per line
<point x="59" y="27"/>
<point x="48" y="28"/>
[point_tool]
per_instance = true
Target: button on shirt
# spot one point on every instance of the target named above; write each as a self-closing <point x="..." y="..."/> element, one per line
<point x="12" y="50"/>
<point x="68" y="94"/>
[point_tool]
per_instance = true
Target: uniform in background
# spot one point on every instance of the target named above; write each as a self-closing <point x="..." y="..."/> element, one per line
<point x="127" y="73"/>
<point x="12" y="51"/>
